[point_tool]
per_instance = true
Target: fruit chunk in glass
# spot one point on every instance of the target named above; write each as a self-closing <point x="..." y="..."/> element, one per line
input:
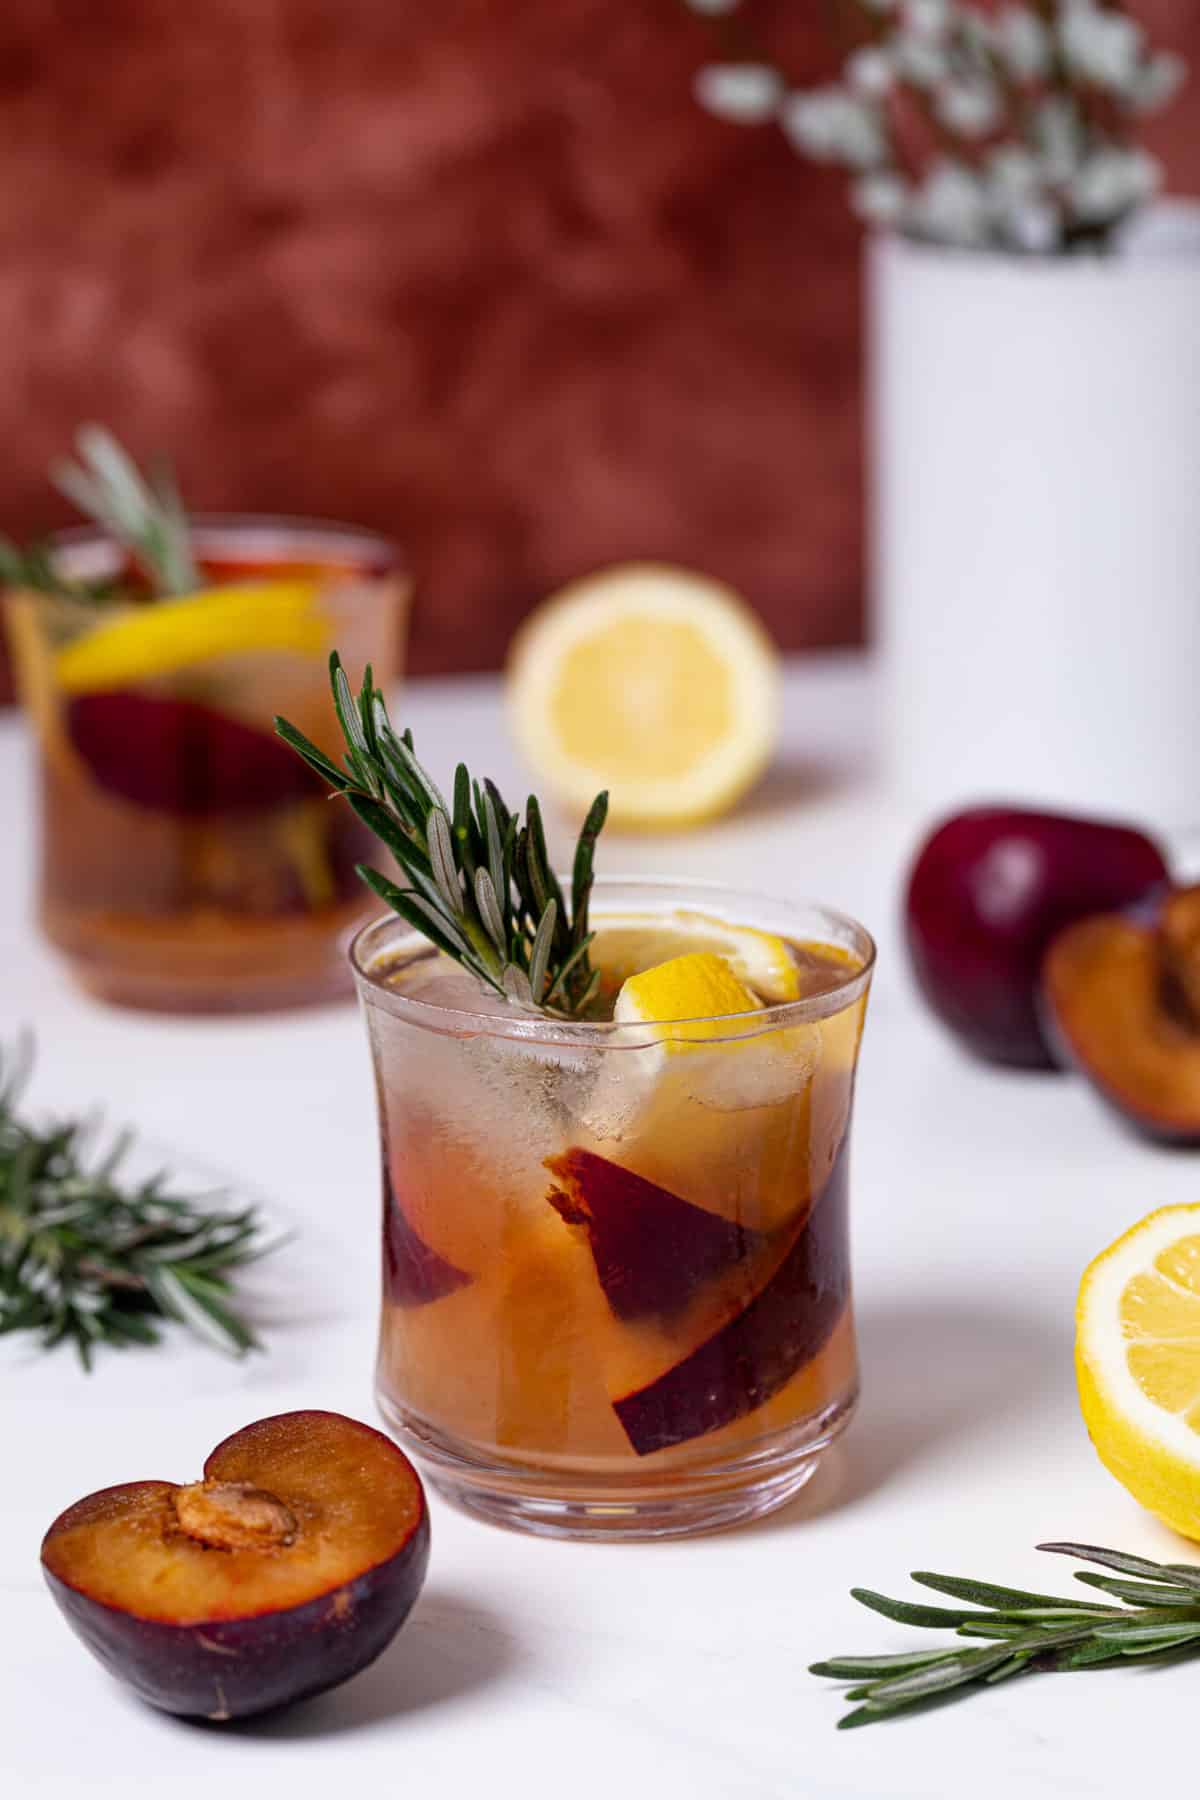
<point x="616" y="1293"/>
<point x="189" y="860"/>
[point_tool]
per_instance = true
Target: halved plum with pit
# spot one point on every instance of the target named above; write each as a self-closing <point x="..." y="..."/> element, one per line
<point x="1122" y="1004"/>
<point x="179" y="757"/>
<point x="285" y="1571"/>
<point x="652" y="1250"/>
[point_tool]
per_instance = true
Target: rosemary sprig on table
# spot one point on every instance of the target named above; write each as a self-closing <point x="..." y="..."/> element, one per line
<point x="480" y="885"/>
<point x="90" y="1258"/>
<point x="145" y="514"/>
<point x="1158" y="1616"/>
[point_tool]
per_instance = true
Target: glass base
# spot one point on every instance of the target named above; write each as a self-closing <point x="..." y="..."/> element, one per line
<point x="607" y="1505"/>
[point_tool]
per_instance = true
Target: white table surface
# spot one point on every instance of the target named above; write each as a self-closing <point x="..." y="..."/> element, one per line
<point x="572" y="1672"/>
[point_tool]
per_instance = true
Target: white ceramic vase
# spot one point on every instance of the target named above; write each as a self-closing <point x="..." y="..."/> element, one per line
<point x="1035" y="495"/>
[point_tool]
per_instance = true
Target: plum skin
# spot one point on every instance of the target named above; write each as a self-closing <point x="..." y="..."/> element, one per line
<point x="233" y="1668"/>
<point x="988" y="891"/>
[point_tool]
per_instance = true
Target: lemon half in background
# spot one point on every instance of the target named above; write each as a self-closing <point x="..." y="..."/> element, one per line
<point x="1137" y="1358"/>
<point x="655" y="683"/>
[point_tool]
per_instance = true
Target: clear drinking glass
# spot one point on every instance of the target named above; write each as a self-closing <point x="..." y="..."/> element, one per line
<point x="616" y="1283"/>
<point x="189" y="860"/>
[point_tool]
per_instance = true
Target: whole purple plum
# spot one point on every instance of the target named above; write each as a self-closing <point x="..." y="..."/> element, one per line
<point x="988" y="891"/>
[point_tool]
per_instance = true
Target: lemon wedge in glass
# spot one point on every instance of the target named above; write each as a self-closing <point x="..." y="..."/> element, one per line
<point x="135" y="643"/>
<point x="698" y="994"/>
<point x="628" y="944"/>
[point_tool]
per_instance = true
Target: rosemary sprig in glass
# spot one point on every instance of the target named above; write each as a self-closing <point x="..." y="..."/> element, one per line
<point x="91" y="1258"/>
<point x="1158" y="1616"/>
<point x="480" y="886"/>
<point x="31" y="567"/>
<point x="144" y="513"/>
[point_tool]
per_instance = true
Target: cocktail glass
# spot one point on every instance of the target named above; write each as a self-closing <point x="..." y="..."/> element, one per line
<point x="616" y="1283"/>
<point x="190" y="861"/>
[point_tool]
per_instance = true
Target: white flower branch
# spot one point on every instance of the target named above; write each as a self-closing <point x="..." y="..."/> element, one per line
<point x="1007" y="127"/>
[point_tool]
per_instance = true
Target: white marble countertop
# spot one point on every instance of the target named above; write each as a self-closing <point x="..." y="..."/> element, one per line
<point x="564" y="1672"/>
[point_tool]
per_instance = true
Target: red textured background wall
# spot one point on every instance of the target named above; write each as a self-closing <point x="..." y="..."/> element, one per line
<point x="478" y="273"/>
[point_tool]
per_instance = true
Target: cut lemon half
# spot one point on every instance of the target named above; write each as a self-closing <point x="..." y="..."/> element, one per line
<point x="1137" y="1358"/>
<point x="654" y="683"/>
<point x="141" y="642"/>
<point x="625" y="944"/>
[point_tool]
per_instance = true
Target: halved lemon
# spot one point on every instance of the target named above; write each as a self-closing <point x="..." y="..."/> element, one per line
<point x="655" y="683"/>
<point x="1137" y="1358"/>
<point x="140" y="642"/>
<point x="626" y="944"/>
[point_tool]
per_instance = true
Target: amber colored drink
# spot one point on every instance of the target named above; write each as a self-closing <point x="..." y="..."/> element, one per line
<point x="616" y="1284"/>
<point x="189" y="860"/>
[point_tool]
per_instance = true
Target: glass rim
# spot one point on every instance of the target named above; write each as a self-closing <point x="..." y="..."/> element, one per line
<point x="316" y="532"/>
<point x="536" y="1028"/>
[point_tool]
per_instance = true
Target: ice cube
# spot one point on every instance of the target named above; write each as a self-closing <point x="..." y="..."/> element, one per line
<point x="764" y="1071"/>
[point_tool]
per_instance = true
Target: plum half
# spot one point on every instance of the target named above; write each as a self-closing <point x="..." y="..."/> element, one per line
<point x="988" y="892"/>
<point x="283" y="1572"/>
<point x="1121" y="997"/>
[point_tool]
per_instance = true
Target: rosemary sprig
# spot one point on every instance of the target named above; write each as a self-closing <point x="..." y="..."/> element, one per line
<point x="31" y="567"/>
<point x="1158" y="1617"/>
<point x="93" y="1259"/>
<point x="145" y="514"/>
<point x="480" y="885"/>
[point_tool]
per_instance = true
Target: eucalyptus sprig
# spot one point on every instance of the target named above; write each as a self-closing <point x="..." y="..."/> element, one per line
<point x="144" y="513"/>
<point x="1158" y="1617"/>
<point x="480" y="885"/>
<point x="91" y="1257"/>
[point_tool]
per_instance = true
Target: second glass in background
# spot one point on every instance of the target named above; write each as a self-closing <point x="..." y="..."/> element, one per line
<point x="188" y="859"/>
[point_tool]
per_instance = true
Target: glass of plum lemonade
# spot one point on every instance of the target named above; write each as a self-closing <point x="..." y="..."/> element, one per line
<point x="616" y="1285"/>
<point x="189" y="861"/>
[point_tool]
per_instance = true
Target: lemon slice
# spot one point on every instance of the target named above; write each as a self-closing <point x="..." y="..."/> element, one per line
<point x="654" y="683"/>
<point x="157" y="639"/>
<point x="628" y="943"/>
<point x="1137" y="1358"/>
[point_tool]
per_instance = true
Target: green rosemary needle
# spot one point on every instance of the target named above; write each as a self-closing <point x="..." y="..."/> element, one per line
<point x="1157" y="1615"/>
<point x="143" y="513"/>
<point x="90" y="1258"/>
<point x="480" y="886"/>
